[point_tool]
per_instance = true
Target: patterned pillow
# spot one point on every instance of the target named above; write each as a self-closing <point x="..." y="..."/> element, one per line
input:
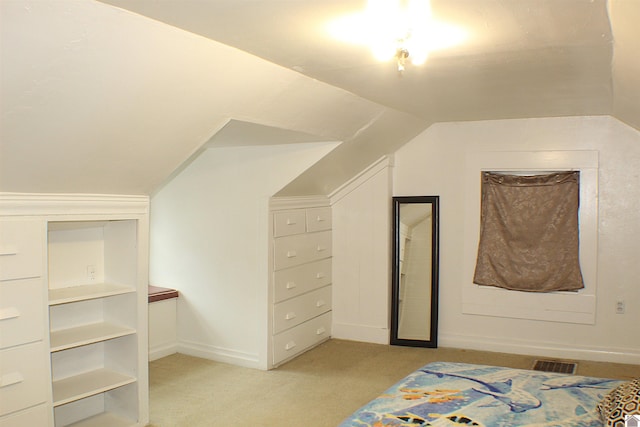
<point x="622" y="400"/>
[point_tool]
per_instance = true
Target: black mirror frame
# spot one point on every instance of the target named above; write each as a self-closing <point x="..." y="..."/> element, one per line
<point x="395" y="283"/>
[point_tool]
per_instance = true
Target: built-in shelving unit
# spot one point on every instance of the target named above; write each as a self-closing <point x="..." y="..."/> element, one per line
<point x="94" y="300"/>
<point x="73" y="310"/>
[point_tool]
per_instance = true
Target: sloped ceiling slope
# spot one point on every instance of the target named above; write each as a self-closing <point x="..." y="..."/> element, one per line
<point x="524" y="58"/>
<point x="625" y="21"/>
<point x="100" y="100"/>
<point x="113" y="96"/>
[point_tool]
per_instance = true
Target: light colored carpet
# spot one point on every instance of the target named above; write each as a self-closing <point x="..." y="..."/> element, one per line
<point x="318" y="389"/>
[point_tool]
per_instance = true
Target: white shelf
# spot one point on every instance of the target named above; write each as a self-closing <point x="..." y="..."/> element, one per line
<point x="86" y="292"/>
<point x="104" y="420"/>
<point x="88" y="384"/>
<point x="74" y="225"/>
<point x="82" y="335"/>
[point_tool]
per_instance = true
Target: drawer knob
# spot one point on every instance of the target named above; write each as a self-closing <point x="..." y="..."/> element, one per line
<point x="319" y="218"/>
<point x="319" y="276"/>
<point x="320" y="248"/>
<point x="290" y="345"/>
<point x="11" y="379"/>
<point x="320" y="331"/>
<point x="291" y="221"/>
<point x="320" y="303"/>
<point x="9" y="313"/>
<point x="290" y="315"/>
<point x="291" y="254"/>
<point x="291" y="285"/>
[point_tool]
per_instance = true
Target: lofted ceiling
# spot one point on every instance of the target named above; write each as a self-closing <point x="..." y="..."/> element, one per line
<point x="113" y="96"/>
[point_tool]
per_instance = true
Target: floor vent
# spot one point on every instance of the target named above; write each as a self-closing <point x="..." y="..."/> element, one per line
<point x="555" y="366"/>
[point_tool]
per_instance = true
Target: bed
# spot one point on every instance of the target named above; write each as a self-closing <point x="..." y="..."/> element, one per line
<point x="458" y="394"/>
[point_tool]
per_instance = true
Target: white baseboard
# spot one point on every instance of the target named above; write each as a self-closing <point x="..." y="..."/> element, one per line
<point x="160" y="351"/>
<point x="543" y="349"/>
<point x="219" y="354"/>
<point x="364" y="333"/>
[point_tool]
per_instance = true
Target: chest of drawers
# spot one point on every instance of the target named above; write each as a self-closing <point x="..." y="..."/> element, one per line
<point x="300" y="281"/>
<point x="24" y="369"/>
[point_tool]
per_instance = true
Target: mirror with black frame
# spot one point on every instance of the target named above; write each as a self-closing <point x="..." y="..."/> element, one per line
<point x="414" y="297"/>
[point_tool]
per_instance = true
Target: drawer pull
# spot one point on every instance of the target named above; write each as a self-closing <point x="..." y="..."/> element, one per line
<point x="319" y="276"/>
<point x="291" y="285"/>
<point x="290" y="316"/>
<point x="319" y="218"/>
<point x="321" y="248"/>
<point x="11" y="379"/>
<point x="291" y="221"/>
<point x="290" y="345"/>
<point x="291" y="254"/>
<point x="8" y="250"/>
<point x="320" y="331"/>
<point x="9" y="313"/>
<point x="320" y="303"/>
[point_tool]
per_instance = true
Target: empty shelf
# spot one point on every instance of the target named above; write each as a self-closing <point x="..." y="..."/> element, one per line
<point x="87" y="384"/>
<point x="86" y="292"/>
<point x="87" y="334"/>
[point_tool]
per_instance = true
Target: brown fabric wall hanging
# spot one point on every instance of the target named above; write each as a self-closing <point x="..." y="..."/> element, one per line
<point x="529" y="232"/>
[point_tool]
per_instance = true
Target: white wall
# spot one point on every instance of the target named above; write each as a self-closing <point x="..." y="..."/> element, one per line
<point x="209" y="240"/>
<point x="434" y="164"/>
<point x="362" y="256"/>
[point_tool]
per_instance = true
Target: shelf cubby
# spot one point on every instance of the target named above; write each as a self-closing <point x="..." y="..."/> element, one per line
<point x="87" y="384"/>
<point x="87" y="334"/>
<point x="86" y="292"/>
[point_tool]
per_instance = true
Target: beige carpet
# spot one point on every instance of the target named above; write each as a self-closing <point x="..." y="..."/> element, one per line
<point x="318" y="389"/>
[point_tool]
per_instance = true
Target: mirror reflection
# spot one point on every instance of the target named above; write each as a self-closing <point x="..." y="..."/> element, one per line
<point x="414" y="310"/>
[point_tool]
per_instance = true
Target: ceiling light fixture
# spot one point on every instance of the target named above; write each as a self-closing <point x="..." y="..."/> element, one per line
<point x="403" y="30"/>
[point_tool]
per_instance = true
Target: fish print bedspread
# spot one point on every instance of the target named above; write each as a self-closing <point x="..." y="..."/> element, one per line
<point x="458" y="394"/>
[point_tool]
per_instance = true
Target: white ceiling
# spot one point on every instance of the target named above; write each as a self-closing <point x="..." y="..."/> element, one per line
<point x="533" y="50"/>
<point x="113" y="96"/>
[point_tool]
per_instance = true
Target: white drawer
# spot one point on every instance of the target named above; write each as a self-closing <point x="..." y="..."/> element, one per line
<point x="21" y="312"/>
<point x="294" y="281"/>
<point x="24" y="378"/>
<point x="290" y="313"/>
<point x="295" y="340"/>
<point x="318" y="219"/>
<point x="32" y="417"/>
<point x="290" y="251"/>
<point x="21" y="249"/>
<point x="286" y="223"/>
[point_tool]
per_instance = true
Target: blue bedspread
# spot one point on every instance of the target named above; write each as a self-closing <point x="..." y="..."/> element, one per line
<point x="457" y="394"/>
